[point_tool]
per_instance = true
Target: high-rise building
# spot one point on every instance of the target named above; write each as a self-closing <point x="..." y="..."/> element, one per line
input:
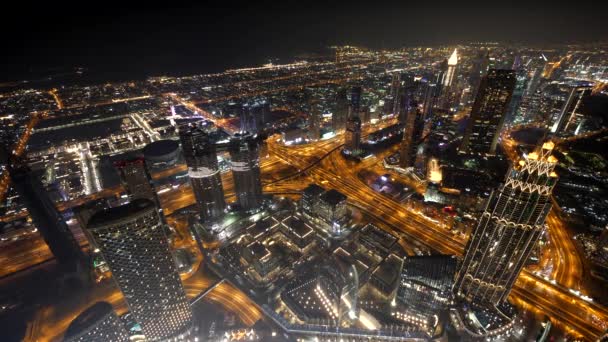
<point x="352" y="136"/>
<point x="488" y="112"/>
<point x="571" y="116"/>
<point x="135" y="247"/>
<point x="45" y="216"/>
<point x="314" y="129"/>
<point x="245" y="163"/>
<point x="478" y="69"/>
<point x="255" y="115"/>
<point x="508" y="229"/>
<point x="136" y="179"/>
<point x="340" y="113"/>
<point x="395" y="93"/>
<point x="446" y="78"/>
<point x="412" y="134"/>
<point x="451" y="72"/>
<point x="355" y="102"/>
<point x="204" y="172"/>
<point x="98" y="323"/>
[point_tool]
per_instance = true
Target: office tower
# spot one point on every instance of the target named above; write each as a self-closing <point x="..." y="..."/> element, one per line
<point x="255" y="115"/>
<point x="245" y="162"/>
<point x="204" y="172"/>
<point x="488" y="113"/>
<point x="425" y="287"/>
<point x="478" y="69"/>
<point x="338" y="119"/>
<point x="136" y="179"/>
<point x="395" y="92"/>
<point x="571" y="118"/>
<point x="314" y="128"/>
<point x="98" y="323"/>
<point x="518" y="94"/>
<point x="352" y="136"/>
<point x="46" y="217"/>
<point x="412" y="134"/>
<point x="135" y="247"/>
<point x="355" y="102"/>
<point x="508" y="229"/>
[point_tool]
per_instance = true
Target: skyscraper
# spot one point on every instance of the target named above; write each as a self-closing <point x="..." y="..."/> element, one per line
<point x="395" y="92"/>
<point x="571" y="117"/>
<point x="338" y="119"/>
<point x="508" y="229"/>
<point x="451" y="72"/>
<point x="136" y="179"/>
<point x="314" y="128"/>
<point x="352" y="136"/>
<point x="412" y="133"/>
<point x="98" y="323"/>
<point x="255" y="115"/>
<point x="245" y="163"/>
<point x="134" y="245"/>
<point x="446" y="78"/>
<point x="355" y="102"/>
<point x="46" y="217"/>
<point x="478" y="69"/>
<point x="204" y="172"/>
<point x="488" y="113"/>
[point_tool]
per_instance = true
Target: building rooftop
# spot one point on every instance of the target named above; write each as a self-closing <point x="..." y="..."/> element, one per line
<point x="333" y="197"/>
<point x="89" y="318"/>
<point x="313" y="190"/>
<point x="116" y="215"/>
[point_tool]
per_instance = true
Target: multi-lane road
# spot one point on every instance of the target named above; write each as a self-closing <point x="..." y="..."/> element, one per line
<point x="289" y="169"/>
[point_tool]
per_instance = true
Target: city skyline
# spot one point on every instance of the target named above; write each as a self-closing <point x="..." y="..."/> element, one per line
<point x="290" y="186"/>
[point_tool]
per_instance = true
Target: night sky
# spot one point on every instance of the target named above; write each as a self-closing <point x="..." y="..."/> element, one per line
<point x="111" y="38"/>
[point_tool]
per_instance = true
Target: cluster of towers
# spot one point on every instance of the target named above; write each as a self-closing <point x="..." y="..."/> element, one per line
<point x="200" y="152"/>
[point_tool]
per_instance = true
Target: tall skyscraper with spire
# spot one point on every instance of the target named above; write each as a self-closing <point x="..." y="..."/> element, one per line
<point x="508" y="229"/>
<point x="204" y="172"/>
<point x="134" y="245"/>
<point x="489" y="111"/>
<point x="451" y="72"/>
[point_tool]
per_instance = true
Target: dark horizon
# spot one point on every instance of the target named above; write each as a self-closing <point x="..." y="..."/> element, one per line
<point x="131" y="41"/>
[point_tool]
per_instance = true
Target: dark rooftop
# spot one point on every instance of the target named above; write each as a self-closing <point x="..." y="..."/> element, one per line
<point x="117" y="214"/>
<point x="89" y="318"/>
<point x="333" y="197"/>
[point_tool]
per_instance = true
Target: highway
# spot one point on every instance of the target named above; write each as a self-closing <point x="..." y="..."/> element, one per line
<point x="531" y="292"/>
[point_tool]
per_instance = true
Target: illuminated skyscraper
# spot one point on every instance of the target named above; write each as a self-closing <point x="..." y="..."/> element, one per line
<point x="571" y="117"/>
<point x="446" y="78"/>
<point x="204" y="172"/>
<point x="98" y="323"/>
<point x="352" y="136"/>
<point x="508" y="229"/>
<point x="488" y="113"/>
<point x="452" y="64"/>
<point x="135" y="247"/>
<point x="245" y="161"/>
<point x="45" y="216"/>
